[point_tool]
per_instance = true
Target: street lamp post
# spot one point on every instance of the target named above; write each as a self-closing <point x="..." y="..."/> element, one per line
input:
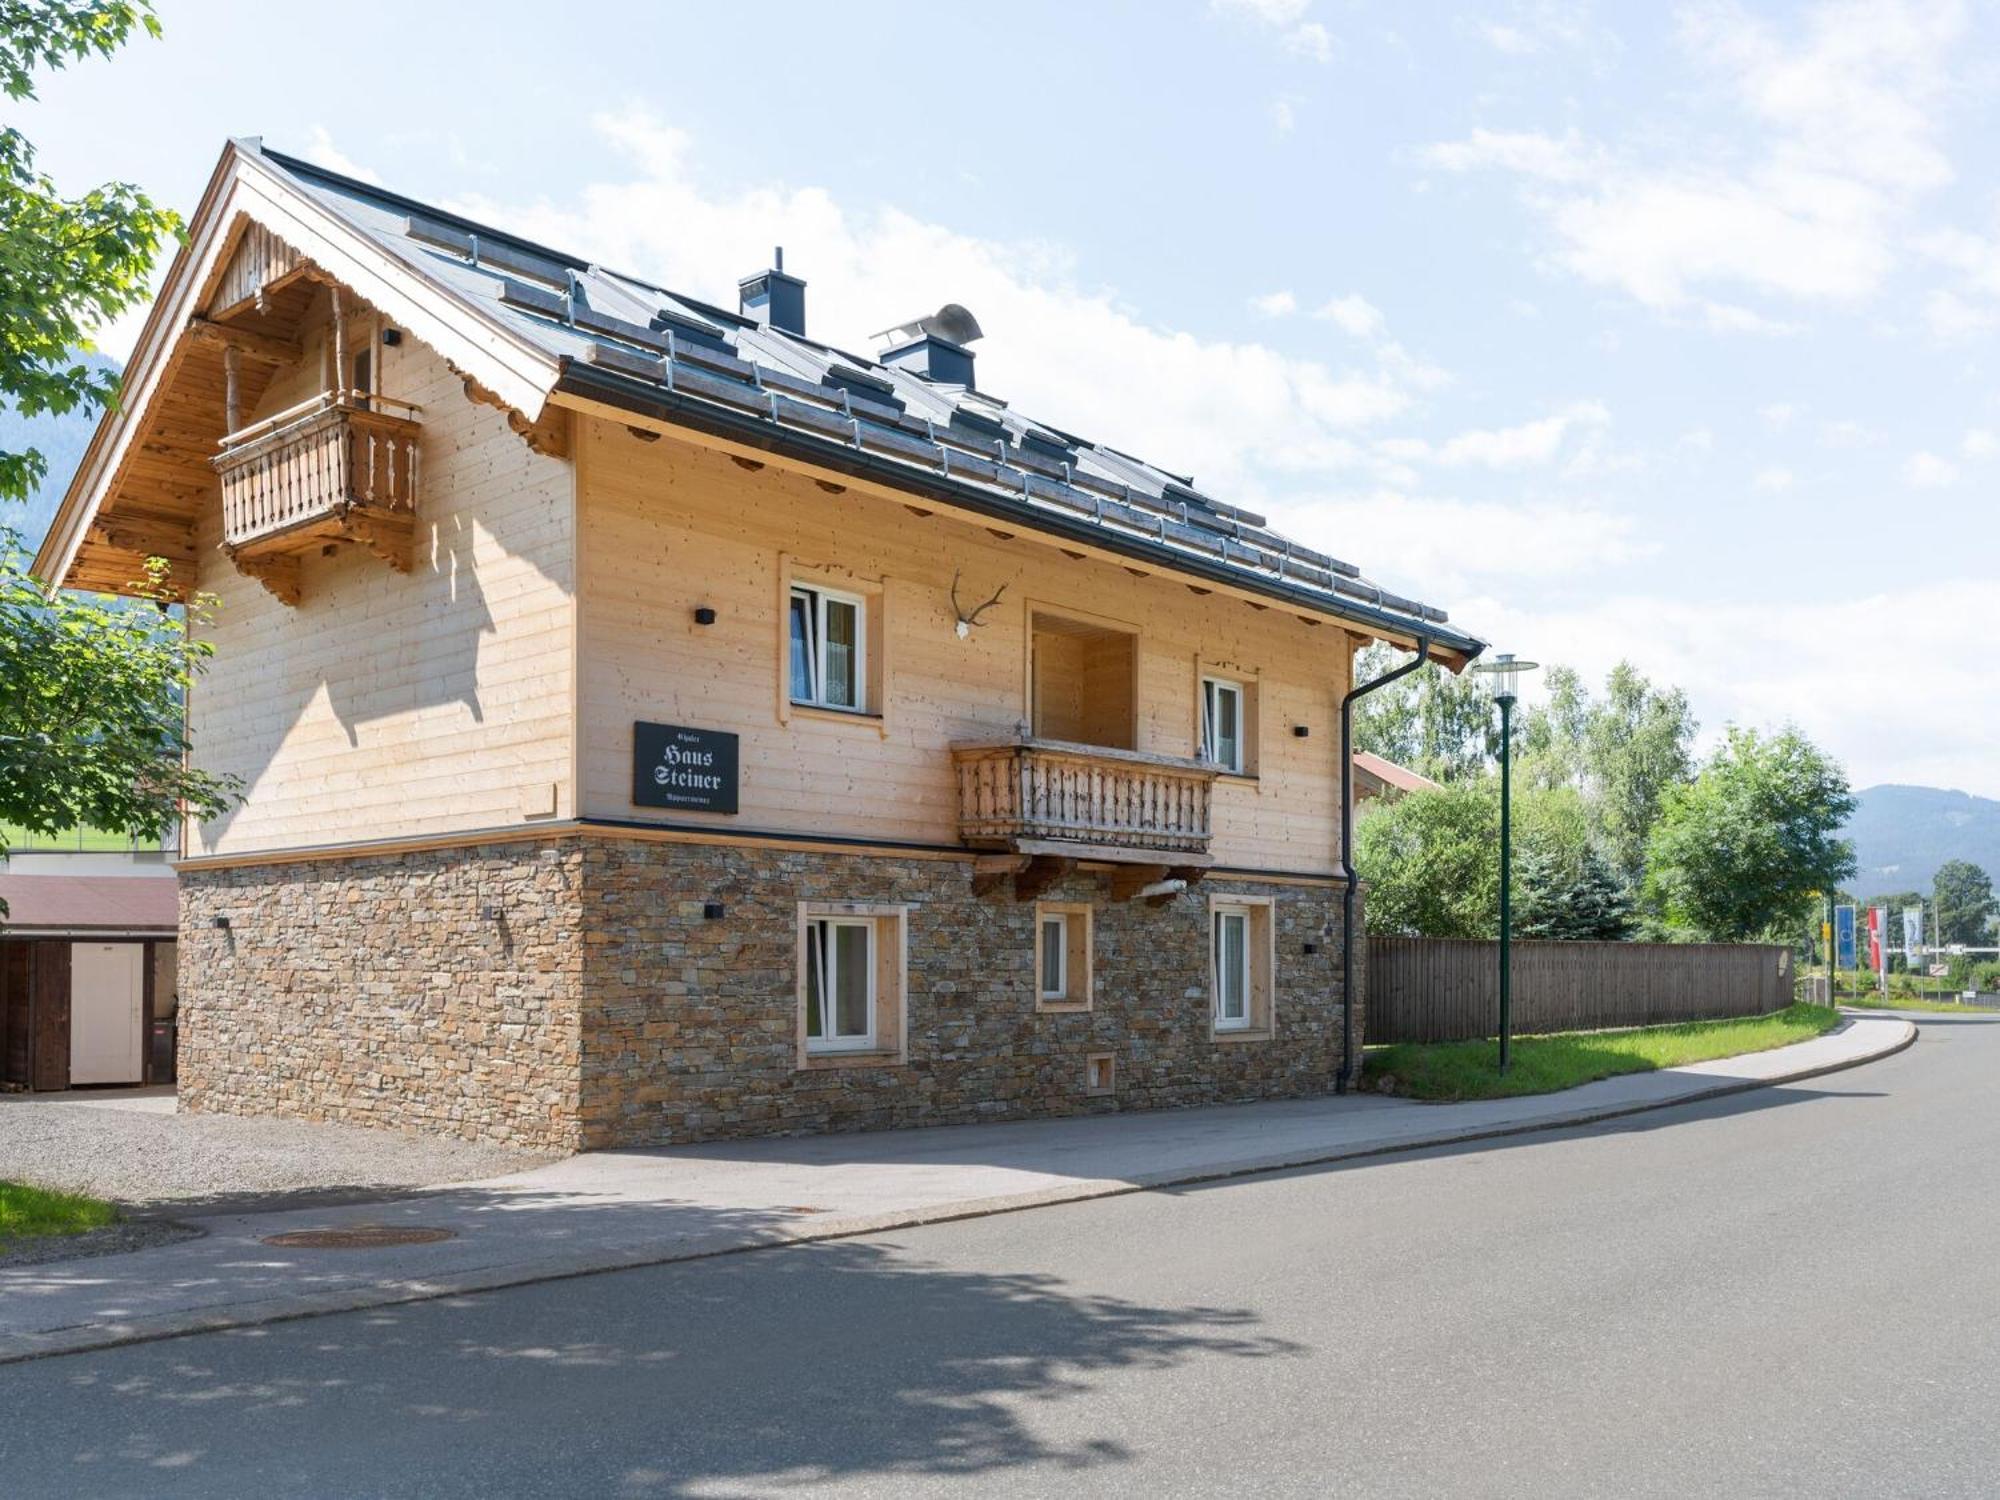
<point x="1505" y="674"/>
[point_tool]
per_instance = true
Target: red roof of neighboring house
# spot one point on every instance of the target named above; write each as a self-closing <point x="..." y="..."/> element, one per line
<point x="145" y="904"/>
<point x="1402" y="778"/>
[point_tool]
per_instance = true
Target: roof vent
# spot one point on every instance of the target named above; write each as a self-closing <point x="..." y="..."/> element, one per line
<point x="773" y="298"/>
<point x="934" y="346"/>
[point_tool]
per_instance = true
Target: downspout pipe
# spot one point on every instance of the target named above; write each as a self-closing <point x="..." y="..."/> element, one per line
<point x="1347" y="853"/>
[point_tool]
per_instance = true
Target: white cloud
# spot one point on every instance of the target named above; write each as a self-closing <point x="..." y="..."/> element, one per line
<point x="1238" y="415"/>
<point x="1780" y="414"/>
<point x="1270" y="12"/>
<point x="1538" y="26"/>
<point x="1529" y="443"/>
<point x="1444" y="546"/>
<point x="1847" y="111"/>
<point x="1774" y="480"/>
<point x="1980" y="442"/>
<point x="322" y="152"/>
<point x="1845" y="434"/>
<point x="1312" y="41"/>
<point x="1274" y="305"/>
<point x="1927" y="471"/>
<point x="1952" y="318"/>
<point x="1354" y="315"/>
<point x="1302" y="38"/>
<point x="1761" y="663"/>
<point x="1525" y="152"/>
<point x="1282" y="115"/>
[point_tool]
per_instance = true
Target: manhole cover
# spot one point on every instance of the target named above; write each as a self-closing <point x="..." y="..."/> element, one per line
<point x="357" y="1237"/>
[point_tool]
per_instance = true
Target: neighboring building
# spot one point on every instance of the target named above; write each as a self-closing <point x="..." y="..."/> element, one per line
<point x="1384" y="780"/>
<point x="658" y="725"/>
<point x="87" y="973"/>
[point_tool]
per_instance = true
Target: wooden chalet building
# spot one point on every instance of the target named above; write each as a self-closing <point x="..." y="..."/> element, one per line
<point x="658" y="725"/>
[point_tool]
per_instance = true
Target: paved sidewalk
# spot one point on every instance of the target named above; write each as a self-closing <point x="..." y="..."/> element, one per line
<point x="611" y="1209"/>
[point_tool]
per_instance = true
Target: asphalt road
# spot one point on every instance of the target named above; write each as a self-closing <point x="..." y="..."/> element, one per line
<point x="1790" y="1292"/>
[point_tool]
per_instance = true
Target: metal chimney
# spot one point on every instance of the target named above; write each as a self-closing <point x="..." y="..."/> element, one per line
<point x="773" y="298"/>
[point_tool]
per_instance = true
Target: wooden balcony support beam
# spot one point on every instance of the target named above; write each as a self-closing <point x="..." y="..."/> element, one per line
<point x="174" y="543"/>
<point x="990" y="872"/>
<point x="258" y="346"/>
<point x="277" y="571"/>
<point x="1043" y="871"/>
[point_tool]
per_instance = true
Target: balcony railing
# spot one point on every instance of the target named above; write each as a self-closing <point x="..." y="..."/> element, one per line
<point x="313" y="461"/>
<point x="1055" y="797"/>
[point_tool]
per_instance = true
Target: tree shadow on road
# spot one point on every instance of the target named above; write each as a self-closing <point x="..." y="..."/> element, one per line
<point x="737" y="1375"/>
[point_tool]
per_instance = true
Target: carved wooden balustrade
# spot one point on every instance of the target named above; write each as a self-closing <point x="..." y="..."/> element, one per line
<point x="1052" y="797"/>
<point x="327" y="471"/>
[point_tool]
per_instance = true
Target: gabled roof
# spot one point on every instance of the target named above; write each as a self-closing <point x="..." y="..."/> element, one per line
<point x="1390" y="775"/>
<point x="132" y="905"/>
<point x="623" y="342"/>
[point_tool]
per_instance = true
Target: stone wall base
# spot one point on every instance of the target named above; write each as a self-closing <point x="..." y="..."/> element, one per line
<point x="578" y="993"/>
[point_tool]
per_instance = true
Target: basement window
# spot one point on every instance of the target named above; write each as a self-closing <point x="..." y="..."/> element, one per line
<point x="851" y="982"/>
<point x="1241" y="961"/>
<point x="1062" y="955"/>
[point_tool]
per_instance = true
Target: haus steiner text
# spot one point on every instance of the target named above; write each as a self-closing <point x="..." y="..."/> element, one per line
<point x="660" y="726"/>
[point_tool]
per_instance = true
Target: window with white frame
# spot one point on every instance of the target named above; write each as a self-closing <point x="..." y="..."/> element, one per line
<point x="1231" y="948"/>
<point x="1062" y="955"/>
<point x="840" y="984"/>
<point x="1222" y="723"/>
<point x="1055" y="955"/>
<point x="829" y="650"/>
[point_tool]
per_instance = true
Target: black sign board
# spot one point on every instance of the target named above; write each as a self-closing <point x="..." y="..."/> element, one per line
<point x="689" y="770"/>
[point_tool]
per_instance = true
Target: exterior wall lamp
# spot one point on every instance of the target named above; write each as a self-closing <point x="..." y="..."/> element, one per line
<point x="1503" y="674"/>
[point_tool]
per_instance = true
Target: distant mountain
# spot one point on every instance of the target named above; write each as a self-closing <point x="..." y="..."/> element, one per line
<point x="61" y="440"/>
<point x="1903" y="833"/>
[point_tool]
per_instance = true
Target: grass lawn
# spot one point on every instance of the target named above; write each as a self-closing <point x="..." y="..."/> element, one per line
<point x="27" y="1211"/>
<point x="1542" y="1064"/>
<point x="1911" y="1002"/>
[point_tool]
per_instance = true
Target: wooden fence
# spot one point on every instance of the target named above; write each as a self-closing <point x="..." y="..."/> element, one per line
<point x="1448" y="989"/>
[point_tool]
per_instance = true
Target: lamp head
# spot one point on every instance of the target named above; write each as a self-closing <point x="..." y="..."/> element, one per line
<point x="1504" y="674"/>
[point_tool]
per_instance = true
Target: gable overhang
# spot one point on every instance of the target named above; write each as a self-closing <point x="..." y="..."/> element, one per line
<point x="606" y="393"/>
<point x="245" y="189"/>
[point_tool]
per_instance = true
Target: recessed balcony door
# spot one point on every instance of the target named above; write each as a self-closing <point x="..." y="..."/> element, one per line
<point x="1084" y="683"/>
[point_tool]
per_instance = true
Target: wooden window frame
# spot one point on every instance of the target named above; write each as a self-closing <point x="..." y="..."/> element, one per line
<point x="1079" y="959"/>
<point x="1260" y="957"/>
<point x="888" y="1042"/>
<point x="872" y="595"/>
<point x="1213" y="687"/>
<point x="1249" y="687"/>
<point x="820" y="597"/>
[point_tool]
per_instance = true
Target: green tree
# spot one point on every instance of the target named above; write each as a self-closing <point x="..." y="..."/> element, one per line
<point x="67" y="265"/>
<point x="1964" y="896"/>
<point x="1580" y="901"/>
<point x="91" y="724"/>
<point x="1740" y="851"/>
<point x="1432" y="721"/>
<point x="1624" y="752"/>
<point x="1638" y="747"/>
<point x="1564" y="889"/>
<point x="1431" y="861"/>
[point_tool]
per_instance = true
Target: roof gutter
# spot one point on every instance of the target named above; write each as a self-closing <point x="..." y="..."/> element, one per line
<point x="643" y="399"/>
<point x="1345" y="1077"/>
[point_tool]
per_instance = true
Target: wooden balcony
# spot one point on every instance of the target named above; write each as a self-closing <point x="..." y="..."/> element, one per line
<point x="329" y="471"/>
<point x="1050" y="803"/>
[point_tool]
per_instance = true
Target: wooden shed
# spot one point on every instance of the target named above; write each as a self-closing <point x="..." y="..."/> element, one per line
<point x="88" y="985"/>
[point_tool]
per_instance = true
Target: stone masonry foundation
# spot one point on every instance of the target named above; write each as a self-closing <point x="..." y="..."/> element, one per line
<point x="577" y="993"/>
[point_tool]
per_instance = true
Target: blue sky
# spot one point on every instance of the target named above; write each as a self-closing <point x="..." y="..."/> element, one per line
<point x="1663" y="332"/>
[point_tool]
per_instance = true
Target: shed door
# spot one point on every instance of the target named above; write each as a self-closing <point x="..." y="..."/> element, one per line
<point x="107" y="993"/>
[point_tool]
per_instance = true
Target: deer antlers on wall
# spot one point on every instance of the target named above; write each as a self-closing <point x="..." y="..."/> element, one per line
<point x="967" y="621"/>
